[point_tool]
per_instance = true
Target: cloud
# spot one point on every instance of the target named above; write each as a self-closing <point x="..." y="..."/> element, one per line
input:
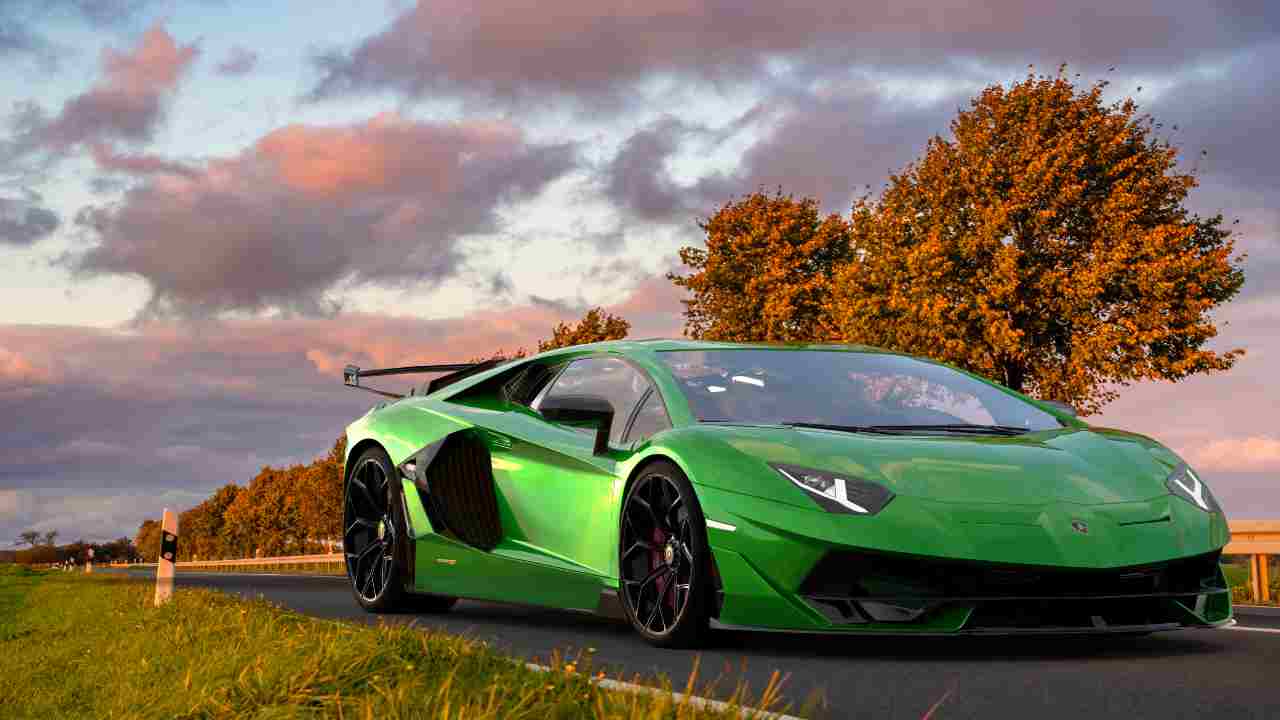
<point x="24" y="222"/>
<point x="511" y="49"/>
<point x="827" y="142"/>
<point x="239" y="61"/>
<point x="16" y="39"/>
<point x="637" y="181"/>
<point x="109" y="160"/>
<point x="310" y="208"/>
<point x="1247" y="454"/>
<point x="127" y="103"/>
<point x="18" y="18"/>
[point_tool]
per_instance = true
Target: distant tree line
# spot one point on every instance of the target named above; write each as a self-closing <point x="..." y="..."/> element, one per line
<point x="42" y="548"/>
<point x="282" y="511"/>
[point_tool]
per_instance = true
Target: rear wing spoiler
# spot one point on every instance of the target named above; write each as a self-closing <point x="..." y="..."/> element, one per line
<point x="454" y="372"/>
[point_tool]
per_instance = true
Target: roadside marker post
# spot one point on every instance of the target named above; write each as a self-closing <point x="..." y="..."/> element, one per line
<point x="88" y="563"/>
<point x="168" y="555"/>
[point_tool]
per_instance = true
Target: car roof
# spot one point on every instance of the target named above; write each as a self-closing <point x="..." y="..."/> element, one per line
<point x="672" y="344"/>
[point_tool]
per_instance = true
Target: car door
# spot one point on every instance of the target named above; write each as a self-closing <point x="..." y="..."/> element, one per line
<point x="560" y="496"/>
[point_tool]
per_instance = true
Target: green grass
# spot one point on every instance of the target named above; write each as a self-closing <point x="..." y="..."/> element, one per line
<point x="16" y="582"/>
<point x="93" y="647"/>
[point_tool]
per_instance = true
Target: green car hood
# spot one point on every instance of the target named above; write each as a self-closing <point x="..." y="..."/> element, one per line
<point x="1074" y="465"/>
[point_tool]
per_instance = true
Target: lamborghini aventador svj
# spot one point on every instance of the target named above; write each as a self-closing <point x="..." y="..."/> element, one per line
<point x="691" y="485"/>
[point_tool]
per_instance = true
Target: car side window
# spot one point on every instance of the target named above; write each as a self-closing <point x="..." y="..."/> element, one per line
<point x="610" y="378"/>
<point x="651" y="418"/>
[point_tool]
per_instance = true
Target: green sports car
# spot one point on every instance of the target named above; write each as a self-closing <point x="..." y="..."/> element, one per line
<point x="689" y="485"/>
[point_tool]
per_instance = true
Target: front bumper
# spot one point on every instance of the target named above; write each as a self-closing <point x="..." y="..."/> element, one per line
<point x="823" y="580"/>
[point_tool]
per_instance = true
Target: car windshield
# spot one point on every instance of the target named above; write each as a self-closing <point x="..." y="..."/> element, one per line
<point x="843" y="389"/>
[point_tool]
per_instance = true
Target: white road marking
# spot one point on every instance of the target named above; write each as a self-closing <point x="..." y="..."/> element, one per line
<point x="694" y="700"/>
<point x="1254" y="629"/>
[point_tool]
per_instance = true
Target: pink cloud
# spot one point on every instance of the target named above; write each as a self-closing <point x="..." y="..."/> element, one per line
<point x="309" y="208"/>
<point x="19" y="369"/>
<point x="128" y="101"/>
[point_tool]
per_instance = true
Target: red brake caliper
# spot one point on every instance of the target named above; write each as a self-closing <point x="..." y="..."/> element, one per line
<point x="656" y="559"/>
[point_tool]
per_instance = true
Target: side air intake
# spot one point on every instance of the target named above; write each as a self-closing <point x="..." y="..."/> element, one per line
<point x="454" y="478"/>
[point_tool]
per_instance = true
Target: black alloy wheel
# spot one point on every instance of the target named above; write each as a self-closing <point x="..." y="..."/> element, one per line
<point x="663" y="563"/>
<point x="375" y="539"/>
<point x="369" y="535"/>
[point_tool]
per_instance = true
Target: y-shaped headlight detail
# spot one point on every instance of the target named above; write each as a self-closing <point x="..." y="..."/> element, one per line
<point x="1187" y="485"/>
<point x="837" y="492"/>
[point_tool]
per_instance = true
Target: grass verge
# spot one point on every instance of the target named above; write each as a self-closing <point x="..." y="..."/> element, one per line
<point x="93" y="647"/>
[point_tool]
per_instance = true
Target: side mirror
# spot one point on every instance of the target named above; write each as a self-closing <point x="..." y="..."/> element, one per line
<point x="1061" y="407"/>
<point x="581" y="410"/>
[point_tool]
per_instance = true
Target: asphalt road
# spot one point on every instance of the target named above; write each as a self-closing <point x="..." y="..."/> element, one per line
<point x="1182" y="674"/>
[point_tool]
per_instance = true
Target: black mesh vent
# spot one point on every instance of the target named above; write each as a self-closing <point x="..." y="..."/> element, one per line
<point x="460" y="490"/>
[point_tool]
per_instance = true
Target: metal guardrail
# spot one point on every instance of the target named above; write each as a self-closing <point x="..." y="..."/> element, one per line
<point x="1259" y="539"/>
<point x="1254" y="537"/>
<point x="265" y="562"/>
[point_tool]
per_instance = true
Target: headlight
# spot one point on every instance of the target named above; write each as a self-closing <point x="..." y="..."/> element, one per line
<point x="1187" y="485"/>
<point x="837" y="492"/>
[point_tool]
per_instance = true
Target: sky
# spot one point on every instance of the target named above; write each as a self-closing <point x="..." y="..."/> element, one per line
<point x="207" y="208"/>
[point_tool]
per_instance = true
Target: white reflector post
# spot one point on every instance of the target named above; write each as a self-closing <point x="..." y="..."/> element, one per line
<point x="168" y="555"/>
<point x="88" y="565"/>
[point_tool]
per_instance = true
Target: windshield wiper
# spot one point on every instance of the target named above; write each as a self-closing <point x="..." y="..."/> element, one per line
<point x="874" y="429"/>
<point x="1002" y="430"/>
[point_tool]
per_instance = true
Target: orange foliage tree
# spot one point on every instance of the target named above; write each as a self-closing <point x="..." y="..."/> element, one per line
<point x="1046" y="246"/>
<point x="595" y="326"/>
<point x="765" y="272"/>
<point x="148" y="540"/>
<point x="202" y="527"/>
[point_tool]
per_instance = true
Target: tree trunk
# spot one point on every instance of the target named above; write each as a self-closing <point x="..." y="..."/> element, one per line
<point x="1014" y="376"/>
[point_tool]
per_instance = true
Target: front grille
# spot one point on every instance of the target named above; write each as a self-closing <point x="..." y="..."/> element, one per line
<point x="876" y="587"/>
<point x="874" y="574"/>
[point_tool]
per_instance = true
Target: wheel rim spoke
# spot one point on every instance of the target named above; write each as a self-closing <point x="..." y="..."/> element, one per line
<point x="363" y="489"/>
<point x="673" y="512"/>
<point x="644" y="504"/>
<point x="637" y="545"/>
<point x="358" y="523"/>
<point x="369" y="538"/>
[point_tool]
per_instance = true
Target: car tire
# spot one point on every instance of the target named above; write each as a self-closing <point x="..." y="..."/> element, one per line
<point x="375" y="531"/>
<point x="664" y="560"/>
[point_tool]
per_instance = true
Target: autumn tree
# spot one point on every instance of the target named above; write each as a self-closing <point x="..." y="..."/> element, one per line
<point x="765" y="271"/>
<point x="147" y="541"/>
<point x="596" y="326"/>
<point x="1045" y="246"/>
<point x="202" y="526"/>
<point x="320" y="496"/>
